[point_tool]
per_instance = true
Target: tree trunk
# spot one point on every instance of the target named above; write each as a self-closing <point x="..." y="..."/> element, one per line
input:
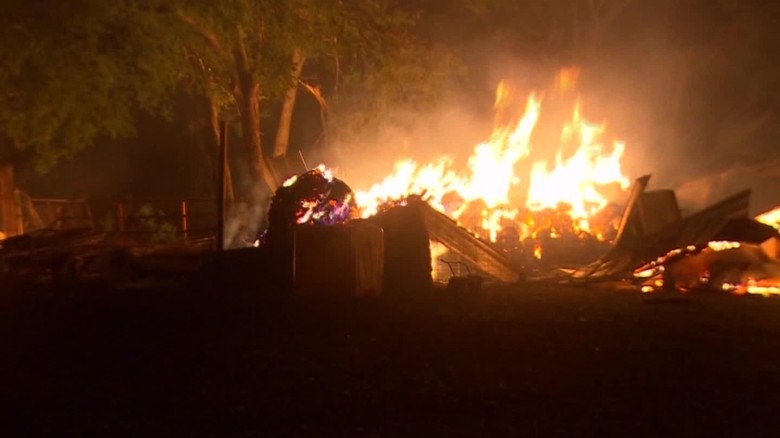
<point x="212" y="152"/>
<point x="9" y="209"/>
<point x="247" y="95"/>
<point x="288" y="104"/>
<point x="250" y="124"/>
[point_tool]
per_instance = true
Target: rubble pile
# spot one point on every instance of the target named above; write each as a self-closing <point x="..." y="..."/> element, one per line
<point x="315" y="226"/>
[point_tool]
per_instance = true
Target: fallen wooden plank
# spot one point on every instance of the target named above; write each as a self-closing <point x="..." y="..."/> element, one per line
<point x="481" y="255"/>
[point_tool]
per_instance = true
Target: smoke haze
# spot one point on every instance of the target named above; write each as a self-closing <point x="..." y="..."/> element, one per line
<point x="664" y="77"/>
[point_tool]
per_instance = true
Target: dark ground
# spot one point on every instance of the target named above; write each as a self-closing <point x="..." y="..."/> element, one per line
<point x="534" y="360"/>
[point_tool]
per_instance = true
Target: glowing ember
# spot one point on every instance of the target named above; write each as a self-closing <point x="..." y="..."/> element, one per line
<point x="537" y="252"/>
<point x="762" y="288"/>
<point x="771" y="218"/>
<point x="484" y="196"/>
<point x="648" y="272"/>
<point x="753" y="287"/>
<point x="723" y="245"/>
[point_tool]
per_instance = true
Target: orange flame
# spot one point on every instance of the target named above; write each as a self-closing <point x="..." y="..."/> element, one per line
<point x="486" y="188"/>
<point x="575" y="181"/>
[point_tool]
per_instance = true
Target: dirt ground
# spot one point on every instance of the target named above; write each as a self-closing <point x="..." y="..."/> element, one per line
<point x="520" y="360"/>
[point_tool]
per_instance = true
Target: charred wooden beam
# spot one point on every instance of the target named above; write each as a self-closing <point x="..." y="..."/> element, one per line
<point x="457" y="239"/>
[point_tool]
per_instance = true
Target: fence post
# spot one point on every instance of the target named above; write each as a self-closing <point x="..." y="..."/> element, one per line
<point x="9" y="209"/>
<point x="223" y="144"/>
<point x="184" y="222"/>
<point x="19" y="213"/>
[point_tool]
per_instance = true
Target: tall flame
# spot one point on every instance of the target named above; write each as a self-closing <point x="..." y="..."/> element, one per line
<point x="486" y="189"/>
<point x="575" y="181"/>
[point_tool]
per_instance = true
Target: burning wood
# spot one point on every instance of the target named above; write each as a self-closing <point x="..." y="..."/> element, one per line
<point x="491" y="196"/>
<point x="315" y="198"/>
<point x="771" y="218"/>
<point x="555" y="215"/>
<point x="719" y="265"/>
<point x="718" y="248"/>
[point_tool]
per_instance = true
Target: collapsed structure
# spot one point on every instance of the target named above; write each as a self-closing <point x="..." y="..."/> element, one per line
<point x="317" y="240"/>
<point x="718" y="248"/>
<point x="655" y="247"/>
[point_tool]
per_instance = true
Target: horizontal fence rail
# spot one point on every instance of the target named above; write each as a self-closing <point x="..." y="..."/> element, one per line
<point x="130" y="219"/>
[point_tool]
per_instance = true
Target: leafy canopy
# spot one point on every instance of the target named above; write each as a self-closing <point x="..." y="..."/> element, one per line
<point x="71" y="72"/>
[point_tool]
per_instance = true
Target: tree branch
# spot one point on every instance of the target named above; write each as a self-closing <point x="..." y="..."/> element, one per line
<point x="317" y="94"/>
<point x="204" y="31"/>
<point x="337" y="79"/>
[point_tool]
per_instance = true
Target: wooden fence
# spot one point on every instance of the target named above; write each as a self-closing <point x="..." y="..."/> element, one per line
<point x="129" y="219"/>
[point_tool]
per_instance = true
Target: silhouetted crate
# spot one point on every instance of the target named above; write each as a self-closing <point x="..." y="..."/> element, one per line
<point x="338" y="260"/>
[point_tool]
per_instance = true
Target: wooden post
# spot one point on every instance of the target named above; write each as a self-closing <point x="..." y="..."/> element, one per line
<point x="639" y="186"/>
<point x="9" y="208"/>
<point x="184" y="222"/>
<point x="223" y="144"/>
<point x="19" y="212"/>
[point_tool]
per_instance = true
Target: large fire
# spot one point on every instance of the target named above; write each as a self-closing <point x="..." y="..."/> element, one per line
<point x="494" y="190"/>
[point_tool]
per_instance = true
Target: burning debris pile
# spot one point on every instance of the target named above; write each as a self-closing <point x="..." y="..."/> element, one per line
<point x="720" y="265"/>
<point x="314" y="198"/>
<point x="747" y="263"/>
<point x="515" y="210"/>
<point x="719" y="248"/>
<point x="315" y="217"/>
<point x="492" y="197"/>
<point x="542" y="206"/>
<point x="497" y="222"/>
